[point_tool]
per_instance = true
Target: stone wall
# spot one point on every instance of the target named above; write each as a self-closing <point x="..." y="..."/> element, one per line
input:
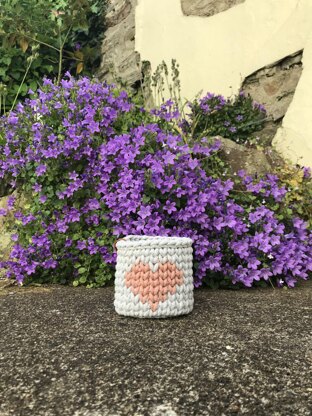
<point x="224" y="45"/>
<point x="251" y="160"/>
<point x="207" y="7"/>
<point x="120" y="61"/>
<point x="274" y="86"/>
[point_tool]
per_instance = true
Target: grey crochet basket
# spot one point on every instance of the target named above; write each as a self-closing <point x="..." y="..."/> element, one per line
<point x="154" y="276"/>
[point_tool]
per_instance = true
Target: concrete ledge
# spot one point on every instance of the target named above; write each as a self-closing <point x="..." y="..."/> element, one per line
<point x="64" y="351"/>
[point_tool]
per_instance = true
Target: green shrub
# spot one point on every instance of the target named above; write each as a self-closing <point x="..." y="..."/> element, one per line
<point x="298" y="200"/>
<point x="106" y="168"/>
<point x="46" y="38"/>
<point x="236" y="119"/>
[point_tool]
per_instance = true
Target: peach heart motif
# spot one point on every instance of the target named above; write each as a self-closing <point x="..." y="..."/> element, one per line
<point x="153" y="286"/>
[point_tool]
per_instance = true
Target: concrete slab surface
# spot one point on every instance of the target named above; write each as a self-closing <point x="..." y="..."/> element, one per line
<point x="64" y="351"/>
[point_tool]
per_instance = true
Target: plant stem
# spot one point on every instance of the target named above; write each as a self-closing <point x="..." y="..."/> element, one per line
<point x="39" y="41"/>
<point x="271" y="284"/>
<point x="51" y="46"/>
<point x="22" y="83"/>
<point x="60" y="64"/>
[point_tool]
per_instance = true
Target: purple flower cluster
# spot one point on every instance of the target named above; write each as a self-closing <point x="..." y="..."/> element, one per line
<point x="266" y="187"/>
<point x="237" y="118"/>
<point x="212" y="102"/>
<point x="94" y="172"/>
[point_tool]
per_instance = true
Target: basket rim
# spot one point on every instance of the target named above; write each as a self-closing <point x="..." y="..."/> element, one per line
<point x="153" y="241"/>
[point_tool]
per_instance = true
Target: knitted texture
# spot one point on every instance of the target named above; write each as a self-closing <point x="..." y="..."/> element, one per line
<point x="154" y="276"/>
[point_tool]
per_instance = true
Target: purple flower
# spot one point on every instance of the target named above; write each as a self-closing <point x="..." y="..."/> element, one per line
<point x="3" y="212"/>
<point x="260" y="107"/>
<point x="26" y="219"/>
<point x="68" y="243"/>
<point x="61" y="226"/>
<point x="30" y="268"/>
<point x="170" y="207"/>
<point x="43" y="199"/>
<point x="81" y="245"/>
<point x="50" y="264"/>
<point x="14" y="237"/>
<point x="13" y="119"/>
<point x="145" y="211"/>
<point x="37" y="188"/>
<point x="93" y="204"/>
<point x="41" y="170"/>
<point x="11" y="202"/>
<point x="307" y="173"/>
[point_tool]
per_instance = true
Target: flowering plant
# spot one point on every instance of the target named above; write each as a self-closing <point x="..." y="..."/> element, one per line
<point x="236" y="119"/>
<point x="96" y="167"/>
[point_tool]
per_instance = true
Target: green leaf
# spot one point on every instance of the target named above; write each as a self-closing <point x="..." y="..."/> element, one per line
<point x="94" y="8"/>
<point x="146" y="199"/>
<point x="33" y="85"/>
<point x="6" y="60"/>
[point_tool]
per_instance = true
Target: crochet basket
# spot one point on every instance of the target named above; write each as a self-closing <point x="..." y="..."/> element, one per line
<point x="154" y="276"/>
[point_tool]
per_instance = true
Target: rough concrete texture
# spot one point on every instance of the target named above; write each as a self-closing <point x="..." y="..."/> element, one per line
<point x="274" y="86"/>
<point x="207" y="7"/>
<point x="64" y="351"/>
<point x="120" y="61"/>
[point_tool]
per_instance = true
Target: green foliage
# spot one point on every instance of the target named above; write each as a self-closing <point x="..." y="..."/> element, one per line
<point x="166" y="79"/>
<point x="156" y="86"/>
<point x="298" y="200"/>
<point x="214" y="115"/>
<point x="236" y="119"/>
<point x="46" y="38"/>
